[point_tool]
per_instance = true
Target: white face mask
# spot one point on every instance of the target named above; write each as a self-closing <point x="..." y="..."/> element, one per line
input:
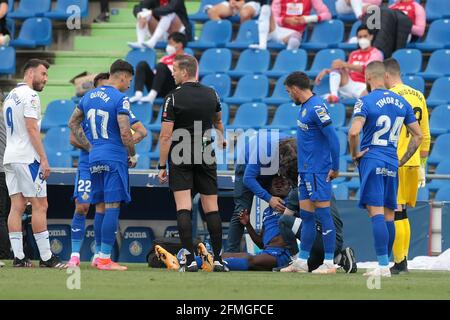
<point x="364" y="43"/>
<point x="170" y="49"/>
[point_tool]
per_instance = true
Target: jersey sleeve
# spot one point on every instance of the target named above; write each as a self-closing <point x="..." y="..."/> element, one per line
<point x="123" y="106"/>
<point x="360" y="110"/>
<point x="425" y="127"/>
<point x="31" y="106"/>
<point x="321" y="116"/>
<point x="168" y="114"/>
<point x="133" y="118"/>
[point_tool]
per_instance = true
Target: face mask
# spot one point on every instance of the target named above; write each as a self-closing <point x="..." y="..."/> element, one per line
<point x="170" y="49"/>
<point x="364" y="43"/>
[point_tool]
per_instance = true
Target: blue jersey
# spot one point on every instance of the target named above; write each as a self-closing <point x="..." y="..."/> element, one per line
<point x="385" y="113"/>
<point x="101" y="106"/>
<point x="314" y="151"/>
<point x="270" y="225"/>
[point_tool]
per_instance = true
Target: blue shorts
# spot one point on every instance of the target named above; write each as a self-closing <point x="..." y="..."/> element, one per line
<point x="314" y="187"/>
<point x="110" y="182"/>
<point x="379" y="183"/>
<point x="82" y="190"/>
<point x="281" y="254"/>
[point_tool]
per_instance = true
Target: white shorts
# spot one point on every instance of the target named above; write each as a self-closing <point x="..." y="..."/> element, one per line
<point x="25" y="179"/>
<point x="281" y="33"/>
<point x="352" y="90"/>
<point x="255" y="5"/>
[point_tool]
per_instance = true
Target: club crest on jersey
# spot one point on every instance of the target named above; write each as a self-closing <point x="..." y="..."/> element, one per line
<point x="126" y="105"/>
<point x="85" y="196"/>
<point x="322" y="114"/>
<point x="303" y="113"/>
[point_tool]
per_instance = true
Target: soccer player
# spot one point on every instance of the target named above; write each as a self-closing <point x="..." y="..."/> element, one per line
<point x="107" y="111"/>
<point x="82" y="190"/>
<point x="26" y="164"/>
<point x="318" y="164"/>
<point x="286" y="20"/>
<point x="380" y="115"/>
<point x="414" y="170"/>
<point x="347" y="78"/>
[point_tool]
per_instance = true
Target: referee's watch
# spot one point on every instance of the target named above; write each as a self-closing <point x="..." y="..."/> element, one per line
<point x="162" y="167"/>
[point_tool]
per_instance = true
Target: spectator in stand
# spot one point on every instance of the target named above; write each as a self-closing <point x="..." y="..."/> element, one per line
<point x="358" y="7"/>
<point x="286" y="21"/>
<point x="4" y="32"/>
<point x="156" y="19"/>
<point x="104" y="12"/>
<point x="347" y="78"/>
<point x="160" y="82"/>
<point x="247" y="9"/>
<point x="415" y="12"/>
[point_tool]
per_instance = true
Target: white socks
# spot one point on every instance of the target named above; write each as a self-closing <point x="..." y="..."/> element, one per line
<point x="357" y="6"/>
<point x="137" y="96"/>
<point x="161" y="29"/>
<point x="16" y="239"/>
<point x="104" y="256"/>
<point x="335" y="81"/>
<point x="141" y="33"/>
<point x="43" y="244"/>
<point x="264" y="26"/>
<point x="293" y="43"/>
<point x="150" y="97"/>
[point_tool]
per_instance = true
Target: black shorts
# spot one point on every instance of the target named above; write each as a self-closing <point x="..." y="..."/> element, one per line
<point x="199" y="177"/>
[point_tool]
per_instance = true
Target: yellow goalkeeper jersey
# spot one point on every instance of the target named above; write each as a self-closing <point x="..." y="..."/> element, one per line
<point x="418" y="102"/>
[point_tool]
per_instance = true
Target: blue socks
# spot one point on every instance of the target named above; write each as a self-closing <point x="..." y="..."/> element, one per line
<point x="328" y="231"/>
<point x="98" y="222"/>
<point x="391" y="230"/>
<point x="308" y="233"/>
<point x="381" y="238"/>
<point x="78" y="228"/>
<point x="237" y="264"/>
<point x="109" y="228"/>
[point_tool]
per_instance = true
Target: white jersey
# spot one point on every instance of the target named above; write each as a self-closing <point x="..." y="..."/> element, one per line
<point x="22" y="102"/>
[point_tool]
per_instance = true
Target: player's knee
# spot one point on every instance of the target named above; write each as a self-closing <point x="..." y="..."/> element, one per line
<point x="82" y="208"/>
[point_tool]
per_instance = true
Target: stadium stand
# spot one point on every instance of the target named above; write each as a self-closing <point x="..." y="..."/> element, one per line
<point x="323" y="59"/>
<point x="337" y="113"/>
<point x="351" y="44"/>
<point x="279" y="94"/>
<point x="142" y="111"/>
<point x="285" y="117"/>
<point x="35" y="32"/>
<point x="438" y="65"/>
<point x="440" y="148"/>
<point x="415" y="82"/>
<point x="57" y="114"/>
<point x="56" y="140"/>
<point x="7" y="60"/>
<point x="137" y="55"/>
<point x="442" y="168"/>
<point x="327" y="34"/>
<point x="247" y="35"/>
<point x="437" y="36"/>
<point x="250" y="116"/>
<point x="201" y="15"/>
<point x="30" y="8"/>
<point x="59" y="159"/>
<point x="63" y="9"/>
<point x="250" y="88"/>
<point x="251" y="62"/>
<point x="439" y="93"/>
<point x="439" y="123"/>
<point x="215" y="61"/>
<point x="214" y="34"/>
<point x="156" y="125"/>
<point x="410" y="60"/>
<point x="340" y="191"/>
<point x="225" y="113"/>
<point x="286" y="61"/>
<point x="220" y="82"/>
<point x="443" y="194"/>
<point x="437" y="9"/>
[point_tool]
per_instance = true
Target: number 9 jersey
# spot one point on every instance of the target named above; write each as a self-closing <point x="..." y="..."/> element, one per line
<point x="385" y="113"/>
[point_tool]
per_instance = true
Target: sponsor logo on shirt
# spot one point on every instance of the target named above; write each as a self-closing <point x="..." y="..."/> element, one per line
<point x="322" y="114"/>
<point x="358" y="106"/>
<point x="386" y="172"/>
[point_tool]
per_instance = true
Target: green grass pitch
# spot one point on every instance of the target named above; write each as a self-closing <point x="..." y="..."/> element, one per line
<point x="141" y="282"/>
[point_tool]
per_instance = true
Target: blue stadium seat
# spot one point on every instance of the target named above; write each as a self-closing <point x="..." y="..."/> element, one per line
<point x="30" y="8"/>
<point x="279" y="95"/>
<point x="286" y="61"/>
<point x="35" y="32"/>
<point x="442" y="168"/>
<point x="143" y="111"/>
<point x="136" y="243"/>
<point x="251" y="62"/>
<point x="154" y="154"/>
<point x="340" y="191"/>
<point x="438" y="65"/>
<point x="145" y="145"/>
<point x="10" y="6"/>
<point x="351" y="37"/>
<point x="11" y="25"/>
<point x="439" y="152"/>
<point x="327" y="34"/>
<point x="7" y="60"/>
<point x="62" y="6"/>
<point x="88" y="246"/>
<point x="201" y="15"/>
<point x="342" y="136"/>
<point x="354" y="183"/>
<point x="251" y="115"/>
<point x="437" y="36"/>
<point x="250" y="88"/>
<point x="337" y="113"/>
<point x="57" y="114"/>
<point x="443" y="194"/>
<point x="156" y="125"/>
<point x="59" y="159"/>
<point x="423" y="194"/>
<point x="323" y="88"/>
<point x="410" y="60"/>
<point x="143" y="161"/>
<point x="437" y="9"/>
<point x="57" y="139"/>
<point x="135" y="56"/>
<point x="440" y="92"/>
<point x="215" y="61"/>
<point x="220" y="82"/>
<point x="331" y="6"/>
<point x="285" y="117"/>
<point x="214" y="34"/>
<point x="439" y="120"/>
<point x="323" y="60"/>
<point x="60" y="240"/>
<point x="247" y="35"/>
<point x="415" y="82"/>
<point x="225" y="113"/>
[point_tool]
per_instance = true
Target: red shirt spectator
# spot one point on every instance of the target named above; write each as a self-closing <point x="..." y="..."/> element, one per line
<point x="415" y="12"/>
<point x="363" y="58"/>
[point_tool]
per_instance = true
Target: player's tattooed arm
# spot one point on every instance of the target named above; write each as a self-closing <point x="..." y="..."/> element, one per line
<point x="125" y="133"/>
<point x="416" y="139"/>
<point x="139" y="132"/>
<point x="77" y="131"/>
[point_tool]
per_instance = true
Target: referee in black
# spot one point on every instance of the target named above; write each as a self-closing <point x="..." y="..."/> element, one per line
<point x="191" y="111"/>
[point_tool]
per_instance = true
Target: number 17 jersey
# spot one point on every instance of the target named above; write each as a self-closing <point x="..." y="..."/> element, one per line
<point x="101" y="106"/>
<point x="385" y="112"/>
